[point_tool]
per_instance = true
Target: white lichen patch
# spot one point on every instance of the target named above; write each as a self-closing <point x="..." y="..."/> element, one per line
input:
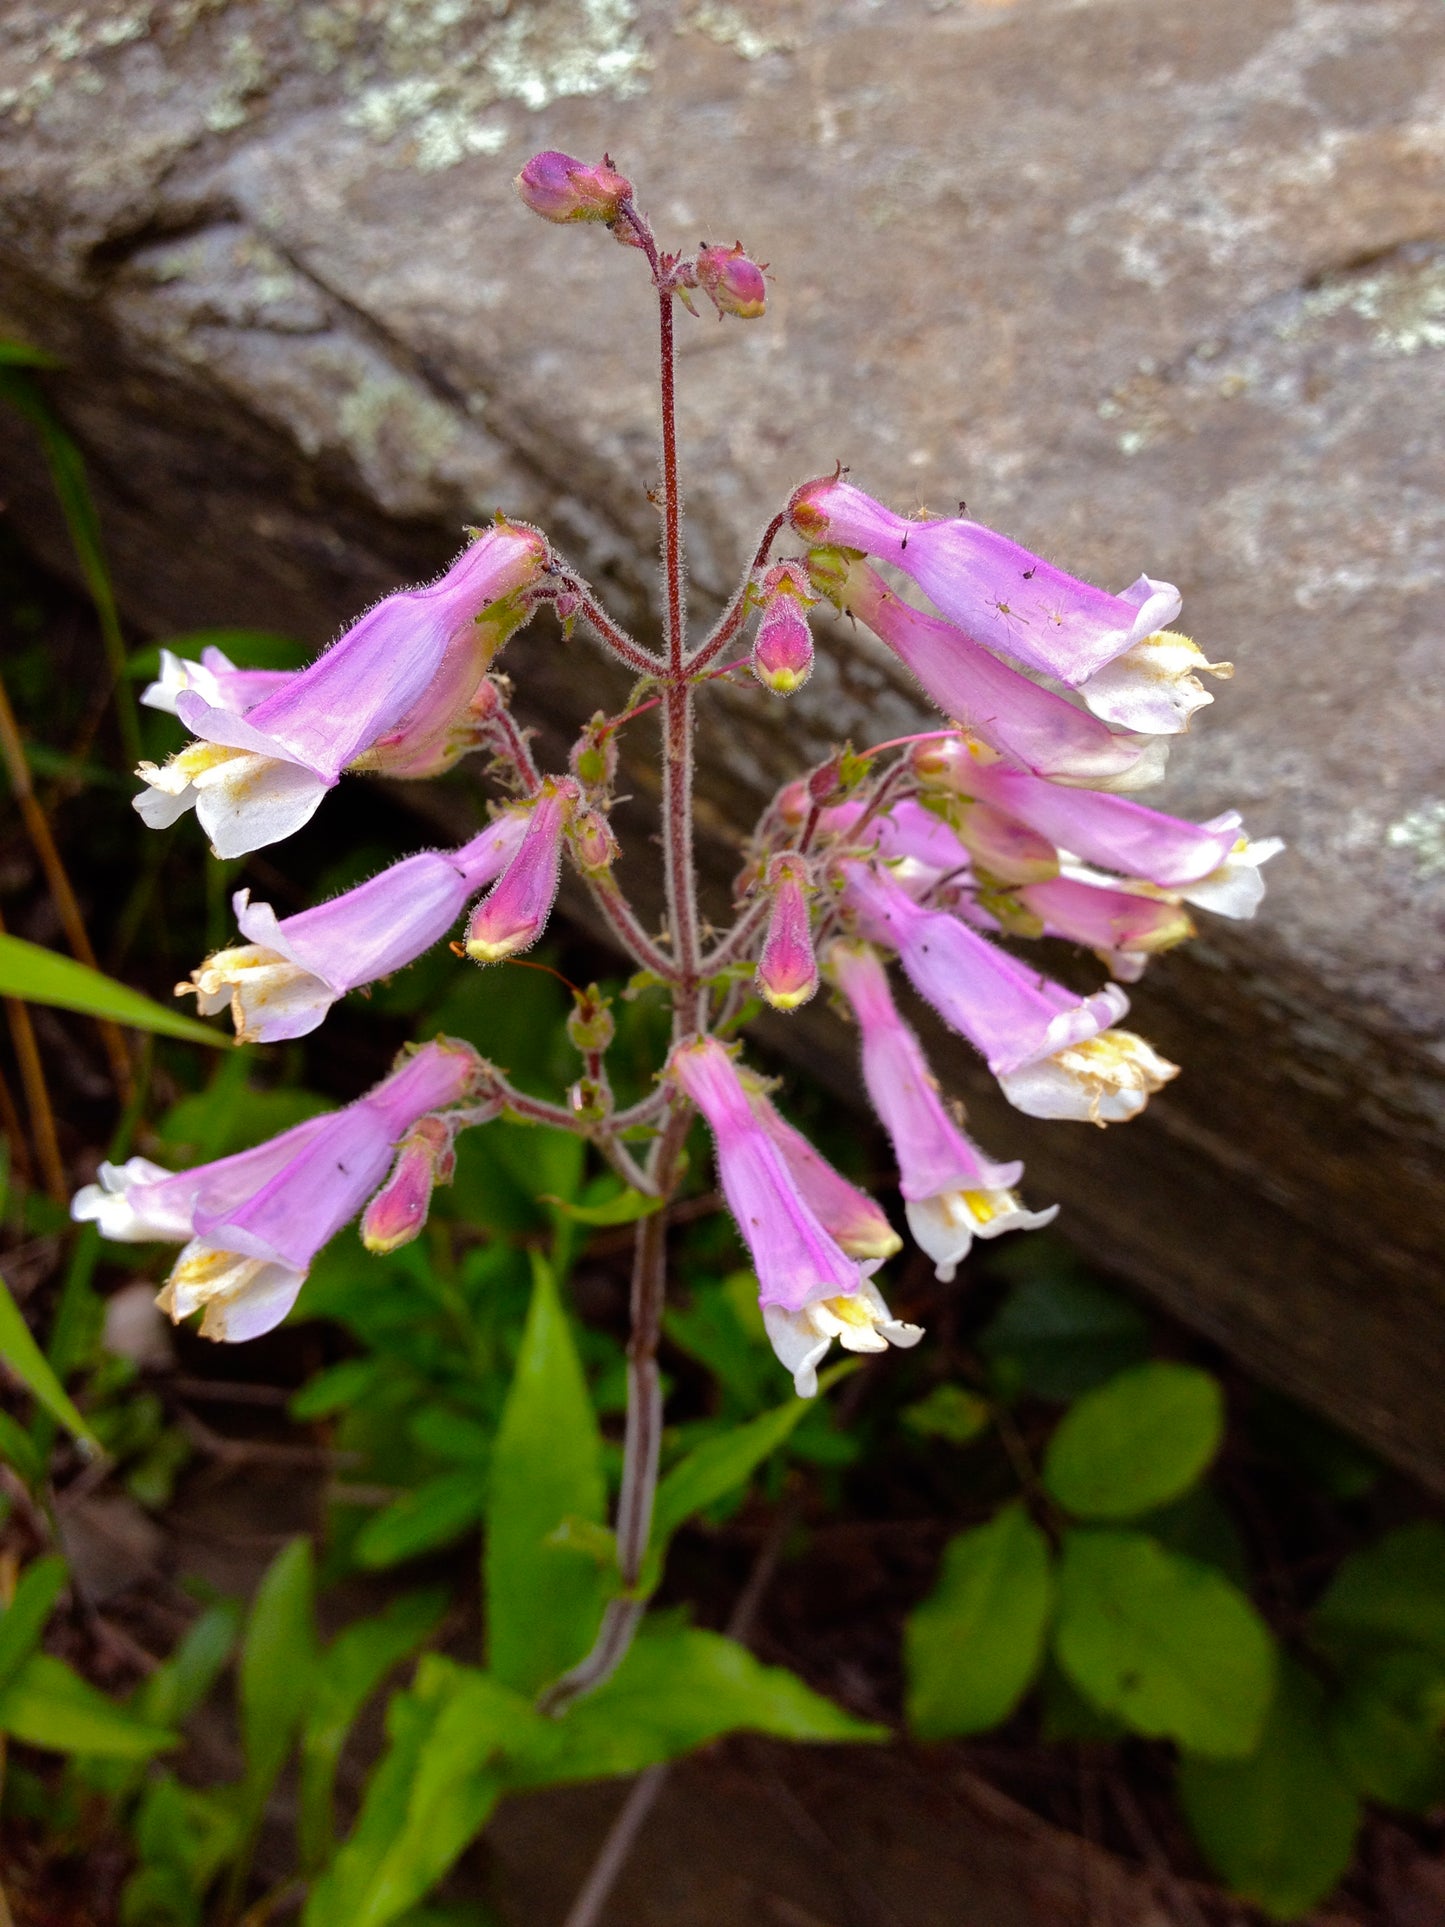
<point x="750" y="38"/>
<point x="1404" y="302"/>
<point x="425" y="74"/>
<point x="1422" y="834"/>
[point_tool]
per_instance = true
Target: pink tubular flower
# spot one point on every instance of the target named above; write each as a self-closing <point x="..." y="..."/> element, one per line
<point x="1008" y="1012"/>
<point x="810" y="1291"/>
<point x="425" y="1158"/>
<point x="1001" y="595"/>
<point x="1034" y="727"/>
<point x="215" y="678"/>
<point x="787" y="970"/>
<point x="252" y="1223"/>
<point x="849" y="1216"/>
<point x="952" y="1192"/>
<point x="514" y="914"/>
<point x="782" y="658"/>
<point x="563" y="190"/>
<point x="282" y="981"/>
<point x="1113" y="831"/>
<point x="256" y="778"/>
<point x="1123" y="926"/>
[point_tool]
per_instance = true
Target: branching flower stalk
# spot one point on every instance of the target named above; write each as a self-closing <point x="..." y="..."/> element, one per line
<point x="1014" y="821"/>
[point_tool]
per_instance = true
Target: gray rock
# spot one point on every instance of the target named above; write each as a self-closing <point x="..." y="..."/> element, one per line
<point x="1152" y="285"/>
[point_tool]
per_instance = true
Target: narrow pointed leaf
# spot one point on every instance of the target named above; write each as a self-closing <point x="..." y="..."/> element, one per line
<point x="44" y="976"/>
<point x="20" y="1352"/>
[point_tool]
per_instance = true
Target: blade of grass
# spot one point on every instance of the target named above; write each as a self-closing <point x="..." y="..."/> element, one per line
<point x="18" y="386"/>
<point x="43" y="976"/>
<point x="37" y="1093"/>
<point x="62" y="895"/>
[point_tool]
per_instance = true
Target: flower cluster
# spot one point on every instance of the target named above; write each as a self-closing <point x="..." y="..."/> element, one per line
<point x="1017" y="819"/>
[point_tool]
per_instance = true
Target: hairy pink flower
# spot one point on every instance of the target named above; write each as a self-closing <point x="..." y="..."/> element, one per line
<point x="787" y="970"/>
<point x="515" y="912"/>
<point x="255" y="1221"/>
<point x="425" y="1158"/>
<point x="563" y="190"/>
<point x="782" y="658"/>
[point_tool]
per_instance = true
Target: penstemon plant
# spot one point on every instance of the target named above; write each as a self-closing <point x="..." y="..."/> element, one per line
<point x="1016" y="820"/>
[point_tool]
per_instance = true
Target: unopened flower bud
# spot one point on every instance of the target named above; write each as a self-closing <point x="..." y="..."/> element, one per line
<point x="732" y="282"/>
<point x="787" y="969"/>
<point x="424" y="1159"/>
<point x="783" y="645"/>
<point x="793" y="800"/>
<point x="562" y="189"/>
<point x="594" y="754"/>
<point x="590" y="1026"/>
<point x="512" y="916"/>
<point x="593" y="844"/>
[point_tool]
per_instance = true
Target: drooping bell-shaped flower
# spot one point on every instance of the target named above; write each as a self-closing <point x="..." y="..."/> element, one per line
<point x="215" y="678"/>
<point x="564" y="190"/>
<point x="514" y="913"/>
<point x="810" y="1290"/>
<point x="1034" y="727"/>
<point x="782" y="658"/>
<point x="284" y="979"/>
<point x="1113" y="831"/>
<point x="787" y="969"/>
<point x="1124" y="927"/>
<point x="1154" y="686"/>
<point x="425" y="1158"/>
<point x="1101" y="1080"/>
<point x="850" y="1217"/>
<point x="1010" y="1013"/>
<point x="952" y="1192"/>
<point x="252" y="1223"/>
<point x="256" y="778"/>
<point x="1001" y="595"/>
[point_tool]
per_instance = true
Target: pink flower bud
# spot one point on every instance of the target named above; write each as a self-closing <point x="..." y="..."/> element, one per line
<point x="732" y="282"/>
<point x="793" y="801"/>
<point x="593" y="844"/>
<point x="396" y="1214"/>
<point x="561" y="189"/>
<point x="787" y="970"/>
<point x="594" y="754"/>
<point x="783" y="645"/>
<point x="512" y="916"/>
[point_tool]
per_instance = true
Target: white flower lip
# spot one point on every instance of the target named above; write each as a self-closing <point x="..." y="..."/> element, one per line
<point x="860" y="1321"/>
<point x="945" y="1225"/>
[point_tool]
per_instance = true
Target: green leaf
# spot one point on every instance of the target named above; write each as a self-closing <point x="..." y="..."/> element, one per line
<point x="278" y="1666"/>
<point x="44" y="976"/>
<point x="354" y="1665"/>
<point x="46" y="1704"/>
<point x="176" y="1688"/>
<point x="719" y="1465"/>
<point x="1167" y="1644"/>
<point x="431" y="1794"/>
<point x="434" y="1514"/>
<point x="543" y="1603"/>
<point x="678" y="1688"/>
<point x="1392" y="1593"/>
<point x="18" y="1450"/>
<point x="24" y="1357"/>
<point x="1061" y="1333"/>
<point x="626" y="1208"/>
<point x="1385" y="1729"/>
<point x="1135" y="1443"/>
<point x="951" y="1413"/>
<point x="973" y="1647"/>
<point x="714" y="1330"/>
<point x="19" y="354"/>
<point x="23" y="1620"/>
<point x="1280" y="1826"/>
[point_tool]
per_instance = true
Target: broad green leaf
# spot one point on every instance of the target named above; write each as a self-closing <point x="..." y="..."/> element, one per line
<point x="451" y="1435"/>
<point x="1385" y="1729"/>
<point x="23" y="1620"/>
<point x="973" y="1647"/>
<point x="714" y="1330"/>
<point x="46" y="1704"/>
<point x="543" y="1602"/>
<point x="176" y="1688"/>
<point x="626" y="1208"/>
<point x="434" y="1514"/>
<point x="1066" y="1715"/>
<point x="350" y="1671"/>
<point x="678" y="1688"/>
<point x="951" y="1413"/>
<point x="719" y="1465"/>
<point x="1392" y="1593"/>
<point x="336" y="1387"/>
<point x="183" y="1836"/>
<point x="431" y="1794"/>
<point x="1135" y="1443"/>
<point x="44" y="976"/>
<point x="1167" y="1644"/>
<point x="1280" y="1826"/>
<point x="20" y="1352"/>
<point x="1060" y="1333"/>
<point x="278" y="1666"/>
